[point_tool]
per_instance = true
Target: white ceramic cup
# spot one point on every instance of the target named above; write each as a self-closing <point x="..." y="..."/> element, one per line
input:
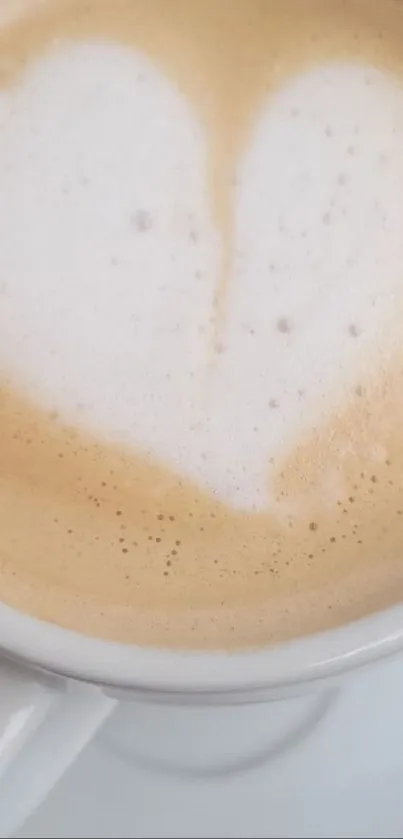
<point x="57" y="688"/>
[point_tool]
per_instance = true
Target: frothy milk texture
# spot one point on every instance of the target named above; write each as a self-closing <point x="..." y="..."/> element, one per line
<point x="201" y="216"/>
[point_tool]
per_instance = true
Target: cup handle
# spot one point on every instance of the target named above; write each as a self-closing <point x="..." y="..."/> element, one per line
<point x="44" y="725"/>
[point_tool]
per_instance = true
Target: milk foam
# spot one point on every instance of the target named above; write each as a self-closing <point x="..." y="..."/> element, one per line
<point x="110" y="258"/>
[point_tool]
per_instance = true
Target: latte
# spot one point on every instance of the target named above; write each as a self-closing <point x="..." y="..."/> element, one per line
<point x="201" y="298"/>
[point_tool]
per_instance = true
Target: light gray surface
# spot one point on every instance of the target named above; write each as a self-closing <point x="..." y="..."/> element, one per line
<point x="344" y="779"/>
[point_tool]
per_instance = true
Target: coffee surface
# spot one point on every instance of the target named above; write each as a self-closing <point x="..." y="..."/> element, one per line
<point x="201" y="288"/>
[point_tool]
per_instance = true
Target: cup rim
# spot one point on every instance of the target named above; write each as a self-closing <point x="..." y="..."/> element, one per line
<point x="309" y="658"/>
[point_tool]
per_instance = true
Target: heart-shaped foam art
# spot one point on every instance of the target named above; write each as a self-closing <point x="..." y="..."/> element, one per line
<point x="110" y="259"/>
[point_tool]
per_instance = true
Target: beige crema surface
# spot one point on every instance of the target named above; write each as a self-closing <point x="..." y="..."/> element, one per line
<point x="201" y="352"/>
